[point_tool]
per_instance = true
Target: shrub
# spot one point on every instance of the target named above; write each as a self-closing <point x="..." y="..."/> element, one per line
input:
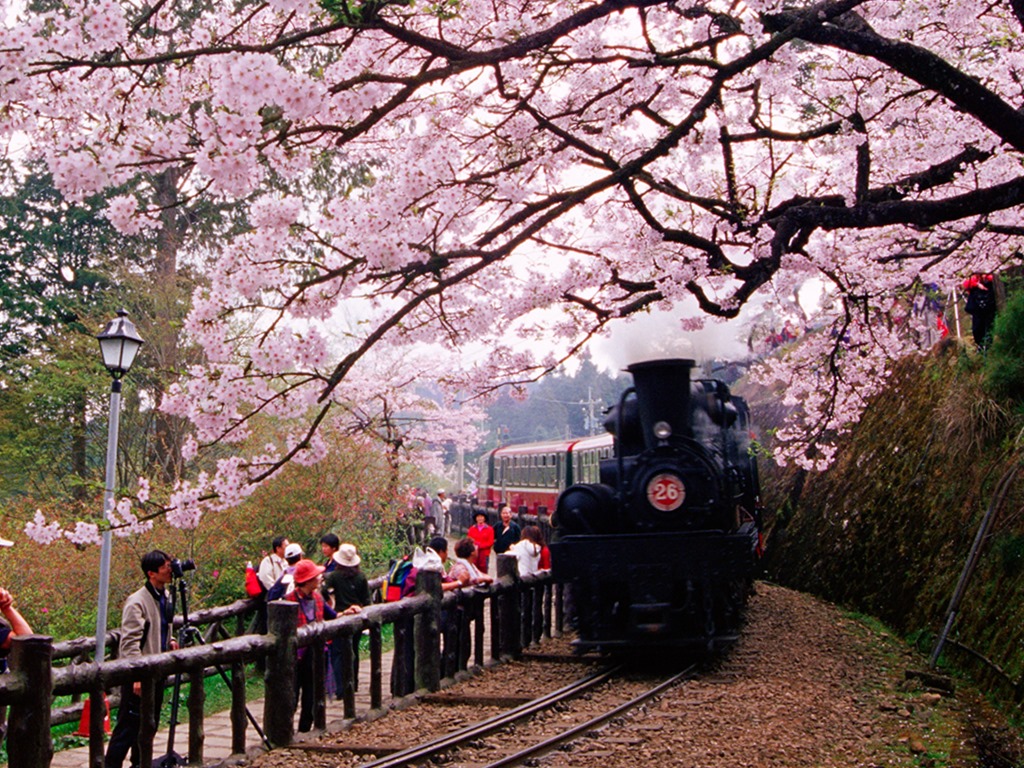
<point x="968" y="417"/>
<point x="354" y="492"/>
<point x="1004" y="363"/>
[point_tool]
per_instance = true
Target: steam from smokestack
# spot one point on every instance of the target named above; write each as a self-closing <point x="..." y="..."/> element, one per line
<point x="660" y="336"/>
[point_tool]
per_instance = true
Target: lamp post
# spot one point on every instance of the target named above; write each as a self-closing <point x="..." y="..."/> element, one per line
<point x="119" y="343"/>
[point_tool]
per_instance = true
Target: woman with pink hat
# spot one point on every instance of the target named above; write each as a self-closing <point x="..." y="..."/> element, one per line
<point x="312" y="607"/>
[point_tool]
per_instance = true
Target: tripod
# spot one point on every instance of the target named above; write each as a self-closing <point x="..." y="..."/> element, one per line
<point x="189" y="635"/>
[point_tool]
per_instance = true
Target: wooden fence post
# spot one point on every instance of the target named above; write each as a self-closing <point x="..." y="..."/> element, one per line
<point x="196" y="726"/>
<point x="402" y="682"/>
<point x="540" y="591"/>
<point x="97" y="714"/>
<point x="346" y="657"/>
<point x="527" y="597"/>
<point x="149" y="715"/>
<point x="279" y="696"/>
<point x="426" y="630"/>
<point x="478" y="634"/>
<point x="376" y="667"/>
<point x="510" y="645"/>
<point x="559" y="620"/>
<point x="28" y="737"/>
<point x="319" y="662"/>
<point x="467" y="611"/>
<point x="549" y="602"/>
<point x="238" y="718"/>
<point x="495" y="618"/>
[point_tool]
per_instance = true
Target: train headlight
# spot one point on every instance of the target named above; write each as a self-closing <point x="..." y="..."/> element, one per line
<point x="662" y="430"/>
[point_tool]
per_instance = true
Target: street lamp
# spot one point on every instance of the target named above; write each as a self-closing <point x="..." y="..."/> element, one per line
<point x="119" y="343"/>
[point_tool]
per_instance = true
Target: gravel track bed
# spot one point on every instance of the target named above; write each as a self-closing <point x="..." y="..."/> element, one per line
<point x="805" y="686"/>
<point x="550" y="723"/>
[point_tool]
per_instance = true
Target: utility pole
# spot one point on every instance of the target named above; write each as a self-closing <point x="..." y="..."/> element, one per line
<point x="588" y="412"/>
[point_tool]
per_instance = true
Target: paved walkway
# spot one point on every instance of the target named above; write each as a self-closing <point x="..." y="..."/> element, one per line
<point x="217" y="727"/>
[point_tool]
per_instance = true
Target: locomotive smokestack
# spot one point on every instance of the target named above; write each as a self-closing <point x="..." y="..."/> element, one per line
<point x="663" y="394"/>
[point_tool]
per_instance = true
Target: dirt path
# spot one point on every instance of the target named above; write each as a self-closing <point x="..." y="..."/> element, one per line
<point x="806" y="686"/>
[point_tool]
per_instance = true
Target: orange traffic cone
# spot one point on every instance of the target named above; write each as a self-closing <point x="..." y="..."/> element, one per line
<point x="83" y="724"/>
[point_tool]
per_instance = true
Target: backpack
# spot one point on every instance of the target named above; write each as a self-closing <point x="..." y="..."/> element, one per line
<point x="982" y="300"/>
<point x="394" y="582"/>
<point x="253" y="586"/>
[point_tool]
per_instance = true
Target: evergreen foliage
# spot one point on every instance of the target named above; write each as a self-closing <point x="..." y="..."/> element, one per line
<point x="1004" y="364"/>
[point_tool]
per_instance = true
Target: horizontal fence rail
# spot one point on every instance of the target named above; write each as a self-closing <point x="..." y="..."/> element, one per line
<point x="436" y="636"/>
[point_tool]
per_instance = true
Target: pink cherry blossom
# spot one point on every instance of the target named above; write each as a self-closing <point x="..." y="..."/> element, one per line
<point x="465" y="199"/>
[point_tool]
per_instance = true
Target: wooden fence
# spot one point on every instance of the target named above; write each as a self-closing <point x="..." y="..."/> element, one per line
<point x="436" y="635"/>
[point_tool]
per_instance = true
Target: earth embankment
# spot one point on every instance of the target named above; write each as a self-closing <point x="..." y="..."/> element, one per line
<point x="888" y="528"/>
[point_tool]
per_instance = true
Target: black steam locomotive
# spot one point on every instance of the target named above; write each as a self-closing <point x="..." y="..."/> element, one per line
<point x="663" y="550"/>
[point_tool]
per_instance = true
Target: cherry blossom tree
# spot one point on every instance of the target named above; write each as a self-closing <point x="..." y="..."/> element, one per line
<point x="535" y="168"/>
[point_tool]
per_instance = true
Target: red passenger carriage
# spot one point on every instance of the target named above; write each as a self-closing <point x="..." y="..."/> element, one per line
<point x="531" y="475"/>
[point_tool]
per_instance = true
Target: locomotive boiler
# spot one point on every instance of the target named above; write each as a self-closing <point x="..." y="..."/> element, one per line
<point x="662" y="551"/>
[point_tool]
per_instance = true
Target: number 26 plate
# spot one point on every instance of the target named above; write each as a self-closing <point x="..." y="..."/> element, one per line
<point x="666" y="492"/>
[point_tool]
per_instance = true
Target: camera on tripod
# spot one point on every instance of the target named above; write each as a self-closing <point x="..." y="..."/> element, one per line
<point x="178" y="567"/>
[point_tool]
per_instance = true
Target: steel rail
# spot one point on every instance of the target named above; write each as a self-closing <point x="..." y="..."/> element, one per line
<point x="549" y="744"/>
<point x="495" y="723"/>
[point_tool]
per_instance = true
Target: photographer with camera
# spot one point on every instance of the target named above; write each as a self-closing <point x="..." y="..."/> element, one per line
<point x="146" y="623"/>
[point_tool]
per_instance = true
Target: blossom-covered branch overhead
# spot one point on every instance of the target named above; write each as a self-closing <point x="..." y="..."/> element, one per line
<point x="449" y="171"/>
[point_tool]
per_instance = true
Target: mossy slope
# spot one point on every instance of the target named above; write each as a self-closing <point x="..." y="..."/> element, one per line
<point x="887" y="529"/>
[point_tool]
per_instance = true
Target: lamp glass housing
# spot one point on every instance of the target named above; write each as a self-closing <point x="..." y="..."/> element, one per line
<point x="119" y="344"/>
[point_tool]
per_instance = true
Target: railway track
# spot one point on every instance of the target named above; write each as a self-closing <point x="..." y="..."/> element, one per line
<point x="525" y="731"/>
<point x="565" y="736"/>
<point x="805" y="685"/>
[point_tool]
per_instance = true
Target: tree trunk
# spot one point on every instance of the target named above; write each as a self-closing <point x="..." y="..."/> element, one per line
<point x="169" y="305"/>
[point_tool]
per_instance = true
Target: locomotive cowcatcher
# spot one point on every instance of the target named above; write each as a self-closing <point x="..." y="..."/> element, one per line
<point x="662" y="551"/>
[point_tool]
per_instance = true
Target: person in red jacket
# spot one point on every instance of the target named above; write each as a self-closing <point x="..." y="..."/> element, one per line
<point x="483" y="535"/>
<point x="981" y="306"/>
